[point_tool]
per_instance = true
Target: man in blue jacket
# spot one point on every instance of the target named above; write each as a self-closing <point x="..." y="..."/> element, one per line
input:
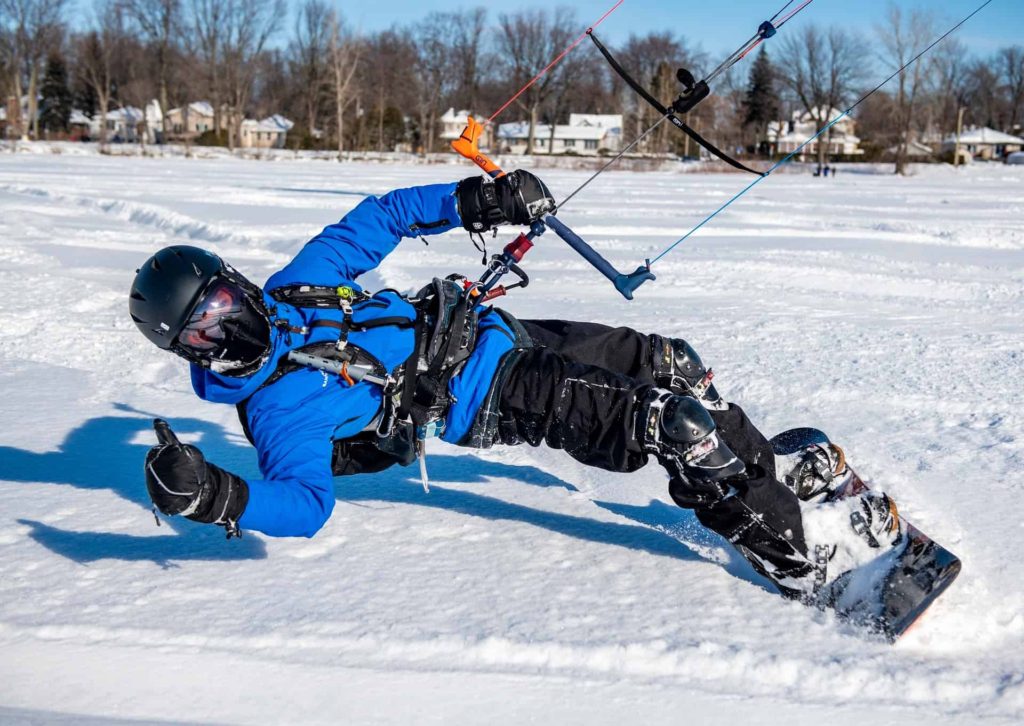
<point x="330" y="380"/>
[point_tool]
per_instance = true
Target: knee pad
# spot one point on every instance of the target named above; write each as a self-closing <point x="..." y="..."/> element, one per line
<point x="677" y="366"/>
<point x="682" y="434"/>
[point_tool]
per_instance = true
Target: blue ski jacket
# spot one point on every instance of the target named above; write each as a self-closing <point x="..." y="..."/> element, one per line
<point x="295" y="420"/>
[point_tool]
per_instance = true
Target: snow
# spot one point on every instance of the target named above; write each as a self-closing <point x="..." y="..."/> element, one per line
<point x="524" y="587"/>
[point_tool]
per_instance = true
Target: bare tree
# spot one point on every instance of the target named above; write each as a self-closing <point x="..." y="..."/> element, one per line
<point x="32" y="29"/>
<point x="903" y="35"/>
<point x="95" y="56"/>
<point x="344" y="59"/>
<point x="562" y="96"/>
<point x="652" y="59"/>
<point x="467" y="53"/>
<point x="1011" y="68"/>
<point x="435" y="71"/>
<point x="209" y="26"/>
<point x="250" y="24"/>
<point x="391" y="91"/>
<point x="949" y="62"/>
<point x="528" y="40"/>
<point x="309" y="54"/>
<point x="982" y="94"/>
<point x="822" y="68"/>
<point x="160" y="23"/>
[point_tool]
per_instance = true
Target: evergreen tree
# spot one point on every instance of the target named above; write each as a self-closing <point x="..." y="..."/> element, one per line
<point x="55" y="110"/>
<point x="761" y="105"/>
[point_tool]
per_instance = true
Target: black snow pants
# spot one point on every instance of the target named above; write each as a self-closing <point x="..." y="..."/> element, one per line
<point x="579" y="390"/>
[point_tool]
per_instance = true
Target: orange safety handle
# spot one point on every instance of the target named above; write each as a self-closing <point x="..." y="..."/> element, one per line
<point x="345" y="374"/>
<point x="468" y="146"/>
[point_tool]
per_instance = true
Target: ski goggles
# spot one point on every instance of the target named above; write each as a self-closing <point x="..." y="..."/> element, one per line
<point x="204" y="330"/>
<point x="225" y="328"/>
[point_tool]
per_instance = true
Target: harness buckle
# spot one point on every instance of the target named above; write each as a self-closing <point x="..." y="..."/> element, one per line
<point x="429" y="429"/>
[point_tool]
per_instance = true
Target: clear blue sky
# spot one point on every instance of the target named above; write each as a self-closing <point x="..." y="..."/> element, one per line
<point x="720" y="25"/>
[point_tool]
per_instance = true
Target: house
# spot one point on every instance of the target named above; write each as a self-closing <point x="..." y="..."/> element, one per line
<point x="610" y="122"/>
<point x="270" y="133"/>
<point x="454" y="122"/>
<point x="915" y="151"/>
<point x="188" y="122"/>
<point x="125" y="125"/>
<point x="79" y="126"/>
<point x="122" y="124"/>
<point x="585" y="134"/>
<point x="984" y="143"/>
<point x="786" y="137"/>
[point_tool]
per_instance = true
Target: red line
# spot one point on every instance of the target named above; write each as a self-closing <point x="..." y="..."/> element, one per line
<point x="550" y="65"/>
<point x="753" y="45"/>
<point x="804" y="5"/>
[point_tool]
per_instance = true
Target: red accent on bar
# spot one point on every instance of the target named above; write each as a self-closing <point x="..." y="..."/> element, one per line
<point x="494" y="292"/>
<point x="518" y="247"/>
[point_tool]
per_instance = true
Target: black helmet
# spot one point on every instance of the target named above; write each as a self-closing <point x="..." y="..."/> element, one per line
<point x="187" y="300"/>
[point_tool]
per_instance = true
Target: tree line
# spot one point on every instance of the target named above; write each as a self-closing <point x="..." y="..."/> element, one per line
<point x="374" y="91"/>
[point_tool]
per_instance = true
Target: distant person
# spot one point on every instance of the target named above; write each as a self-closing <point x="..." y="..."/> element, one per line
<point x="329" y="379"/>
<point x="827" y="170"/>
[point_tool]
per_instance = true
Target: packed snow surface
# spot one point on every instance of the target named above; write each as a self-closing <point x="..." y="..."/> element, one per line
<point x="524" y="587"/>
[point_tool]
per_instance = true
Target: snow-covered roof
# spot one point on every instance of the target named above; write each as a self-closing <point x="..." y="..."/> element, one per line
<point x="278" y="122"/>
<point x="914" y="148"/>
<point x="78" y="118"/>
<point x="984" y="135"/>
<point x="202" y="108"/>
<point x="3" y="114"/>
<point x="128" y="114"/>
<point x="610" y="121"/>
<point x="521" y="130"/>
<point x="452" y="116"/>
<point x="275" y="124"/>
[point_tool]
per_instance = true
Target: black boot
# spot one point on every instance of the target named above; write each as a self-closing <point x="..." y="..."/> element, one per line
<point x="742" y="502"/>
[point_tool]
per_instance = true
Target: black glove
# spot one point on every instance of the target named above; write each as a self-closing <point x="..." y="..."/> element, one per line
<point x="181" y="481"/>
<point x="515" y="198"/>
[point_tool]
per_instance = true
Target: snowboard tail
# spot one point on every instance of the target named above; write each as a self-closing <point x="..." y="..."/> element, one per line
<point x="890" y="593"/>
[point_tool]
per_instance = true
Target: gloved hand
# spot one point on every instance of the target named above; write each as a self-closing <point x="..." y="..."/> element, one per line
<point x="518" y="197"/>
<point x="181" y="481"/>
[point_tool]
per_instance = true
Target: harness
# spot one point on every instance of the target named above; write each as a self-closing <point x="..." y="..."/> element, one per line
<point x="415" y="394"/>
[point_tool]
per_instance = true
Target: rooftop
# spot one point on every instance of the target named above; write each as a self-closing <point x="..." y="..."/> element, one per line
<point x="521" y="129"/>
<point x="984" y="135"/>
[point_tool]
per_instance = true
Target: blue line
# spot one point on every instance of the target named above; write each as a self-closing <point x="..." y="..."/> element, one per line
<point x="831" y="123"/>
<point x="751" y="185"/>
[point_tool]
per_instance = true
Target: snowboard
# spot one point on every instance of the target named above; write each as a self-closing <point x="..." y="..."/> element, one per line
<point x="890" y="593"/>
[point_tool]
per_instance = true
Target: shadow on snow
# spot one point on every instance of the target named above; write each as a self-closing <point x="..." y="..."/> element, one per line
<point x="106" y="453"/>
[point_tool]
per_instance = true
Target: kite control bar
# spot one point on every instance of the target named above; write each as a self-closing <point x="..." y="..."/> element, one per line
<point x="625" y="284"/>
<point x="467" y="145"/>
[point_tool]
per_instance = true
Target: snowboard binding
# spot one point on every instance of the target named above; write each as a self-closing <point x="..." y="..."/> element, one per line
<point x="873" y="568"/>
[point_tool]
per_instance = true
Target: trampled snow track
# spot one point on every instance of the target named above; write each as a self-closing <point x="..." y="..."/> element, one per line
<point x="883" y="310"/>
